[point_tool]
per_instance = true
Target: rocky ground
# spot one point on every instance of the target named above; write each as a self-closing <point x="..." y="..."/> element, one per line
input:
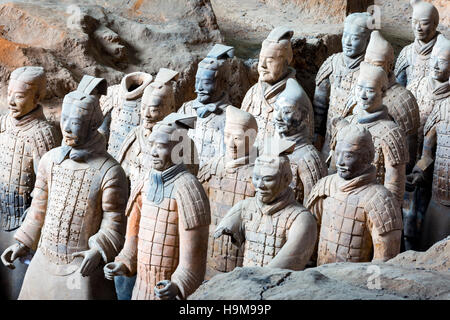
<point x="410" y="275"/>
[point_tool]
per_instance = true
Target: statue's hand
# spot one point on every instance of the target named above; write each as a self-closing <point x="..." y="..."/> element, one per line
<point x="113" y="269"/>
<point x="169" y="291"/>
<point x="13" y="252"/>
<point x="413" y="179"/>
<point x="91" y="261"/>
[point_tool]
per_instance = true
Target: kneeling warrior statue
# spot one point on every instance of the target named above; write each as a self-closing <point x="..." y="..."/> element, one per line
<point x="76" y="220"/>
<point x="291" y="123"/>
<point x="276" y="230"/>
<point x="359" y="219"/>
<point x="210" y="105"/>
<point x="25" y="136"/>
<point x="227" y="179"/>
<point x="168" y="219"/>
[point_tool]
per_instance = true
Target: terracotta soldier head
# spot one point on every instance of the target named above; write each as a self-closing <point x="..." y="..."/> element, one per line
<point x="158" y="99"/>
<point x="27" y="86"/>
<point x="165" y="136"/>
<point x="425" y="19"/>
<point x="209" y="83"/>
<point x="357" y="29"/>
<point x="440" y="60"/>
<point x="240" y="133"/>
<point x="370" y="87"/>
<point x="380" y="52"/>
<point x="276" y="55"/>
<point x="272" y="172"/>
<point x="354" y="151"/>
<point x="291" y="110"/>
<point x="81" y="116"/>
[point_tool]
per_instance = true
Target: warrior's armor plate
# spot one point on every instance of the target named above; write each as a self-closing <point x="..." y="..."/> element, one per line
<point x="158" y="225"/>
<point x="208" y="134"/>
<point x="390" y="149"/>
<point x="21" y="147"/>
<point x="341" y="79"/>
<point x="265" y="234"/>
<point x="225" y="186"/>
<point x="349" y="217"/>
<point x="414" y="64"/>
<point x="134" y="156"/>
<point x="427" y="101"/>
<point x="123" y="104"/>
<point x="259" y="101"/>
<point x="307" y="168"/>
<point x="440" y="121"/>
<point x="77" y="207"/>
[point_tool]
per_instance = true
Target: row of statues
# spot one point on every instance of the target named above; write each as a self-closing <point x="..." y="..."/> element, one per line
<point x="158" y="199"/>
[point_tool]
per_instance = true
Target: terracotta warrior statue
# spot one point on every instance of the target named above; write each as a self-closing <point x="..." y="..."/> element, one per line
<point x="210" y="105"/>
<point x="122" y="109"/>
<point x="359" y="219"/>
<point x="391" y="153"/>
<point x="25" y="136"/>
<point x="274" y="71"/>
<point x="278" y="232"/>
<point x="337" y="76"/>
<point x="157" y="102"/>
<point x="76" y="220"/>
<point x="290" y="116"/>
<point x="168" y="219"/>
<point x="227" y="179"/>
<point x="436" y="146"/>
<point x="412" y="62"/>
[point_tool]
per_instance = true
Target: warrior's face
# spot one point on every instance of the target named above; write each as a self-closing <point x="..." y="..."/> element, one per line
<point x="368" y="94"/>
<point x="22" y="98"/>
<point x="423" y="25"/>
<point x="153" y="109"/>
<point x="271" y="179"/>
<point x="238" y="140"/>
<point x="160" y="150"/>
<point x="272" y="65"/>
<point x="206" y="85"/>
<point x="439" y="67"/>
<point x="287" y="117"/>
<point x="75" y="124"/>
<point x="350" y="160"/>
<point x="354" y="40"/>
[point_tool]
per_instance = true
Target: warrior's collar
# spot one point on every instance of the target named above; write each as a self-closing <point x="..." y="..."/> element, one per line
<point x="160" y="179"/>
<point x="204" y="110"/>
<point x="363" y="116"/>
<point x="87" y="152"/>
<point x="301" y="138"/>
<point x="353" y="63"/>
<point x="36" y="114"/>
<point x="286" y="198"/>
<point x="366" y="178"/>
<point x="442" y="90"/>
<point x="424" y="49"/>
<point x="269" y="89"/>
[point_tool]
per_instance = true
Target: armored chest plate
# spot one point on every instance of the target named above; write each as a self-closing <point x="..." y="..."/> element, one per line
<point x="441" y="174"/>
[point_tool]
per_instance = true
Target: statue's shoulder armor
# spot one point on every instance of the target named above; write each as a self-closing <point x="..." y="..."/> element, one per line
<point x="402" y="61"/>
<point x="186" y="108"/>
<point x="209" y="169"/>
<point x="393" y="142"/>
<point x="326" y="69"/>
<point x="311" y="163"/>
<point x="111" y="100"/>
<point x="439" y="113"/>
<point x="403" y="107"/>
<point x="382" y="208"/>
<point x="322" y="189"/>
<point x="192" y="202"/>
